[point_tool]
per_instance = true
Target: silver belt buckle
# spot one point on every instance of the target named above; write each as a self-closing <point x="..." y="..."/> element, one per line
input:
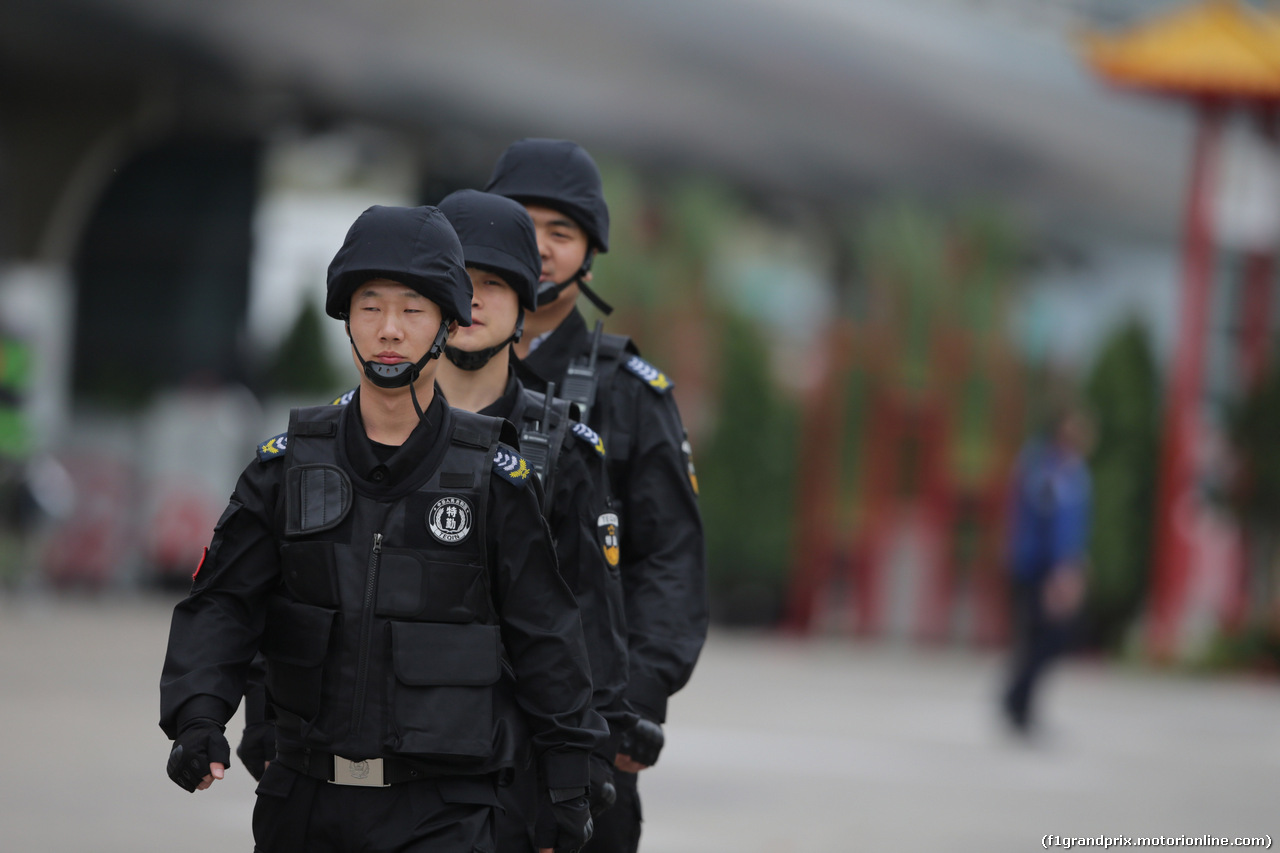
<point x="367" y="773"/>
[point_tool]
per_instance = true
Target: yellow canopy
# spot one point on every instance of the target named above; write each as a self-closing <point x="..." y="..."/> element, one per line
<point x="1218" y="48"/>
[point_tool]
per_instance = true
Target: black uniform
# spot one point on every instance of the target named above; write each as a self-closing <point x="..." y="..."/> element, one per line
<point x="409" y="609"/>
<point x="583" y="520"/>
<point x="663" y="557"/>
<point x="580" y="513"/>
<point x="584" y="527"/>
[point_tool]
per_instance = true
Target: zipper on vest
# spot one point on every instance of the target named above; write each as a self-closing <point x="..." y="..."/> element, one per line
<point x="366" y="634"/>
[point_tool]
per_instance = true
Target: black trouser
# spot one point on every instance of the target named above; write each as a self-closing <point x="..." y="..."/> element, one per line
<point x="1038" y="639"/>
<point x="299" y="814"/>
<point x="618" y="828"/>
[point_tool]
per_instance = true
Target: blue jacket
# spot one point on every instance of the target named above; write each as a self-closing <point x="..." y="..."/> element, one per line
<point x="1051" y="509"/>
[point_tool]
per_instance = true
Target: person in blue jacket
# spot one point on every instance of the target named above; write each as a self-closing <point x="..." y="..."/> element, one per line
<point x="1049" y="537"/>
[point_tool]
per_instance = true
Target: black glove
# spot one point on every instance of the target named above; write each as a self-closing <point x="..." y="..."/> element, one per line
<point x="198" y="744"/>
<point x="564" y="820"/>
<point x="642" y="742"/>
<point x="602" y="794"/>
<point x="257" y="747"/>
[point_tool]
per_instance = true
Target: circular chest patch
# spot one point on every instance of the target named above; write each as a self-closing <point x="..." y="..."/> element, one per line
<point x="449" y="520"/>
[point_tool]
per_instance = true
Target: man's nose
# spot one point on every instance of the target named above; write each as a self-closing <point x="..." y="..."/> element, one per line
<point x="390" y="329"/>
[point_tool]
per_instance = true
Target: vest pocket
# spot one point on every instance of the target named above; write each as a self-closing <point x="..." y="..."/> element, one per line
<point x="413" y="587"/>
<point x="442" y="703"/>
<point x="295" y="644"/>
<point x="401" y="584"/>
<point x="309" y="572"/>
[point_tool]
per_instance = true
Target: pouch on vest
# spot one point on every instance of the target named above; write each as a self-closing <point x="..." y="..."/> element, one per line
<point x="443" y="694"/>
<point x="317" y="498"/>
<point x="310" y="573"/>
<point x="295" y="644"/>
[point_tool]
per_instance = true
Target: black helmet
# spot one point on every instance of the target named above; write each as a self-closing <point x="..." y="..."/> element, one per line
<point x="497" y="234"/>
<point x="557" y="173"/>
<point x="415" y="246"/>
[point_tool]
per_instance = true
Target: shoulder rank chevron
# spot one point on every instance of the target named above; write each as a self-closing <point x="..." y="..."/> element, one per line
<point x="344" y="399"/>
<point x="510" y="466"/>
<point x="650" y="375"/>
<point x="589" y="435"/>
<point x="273" y="447"/>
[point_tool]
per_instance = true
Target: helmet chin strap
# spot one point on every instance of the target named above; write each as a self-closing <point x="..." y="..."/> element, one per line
<point x="471" y="361"/>
<point x="550" y="292"/>
<point x="405" y="372"/>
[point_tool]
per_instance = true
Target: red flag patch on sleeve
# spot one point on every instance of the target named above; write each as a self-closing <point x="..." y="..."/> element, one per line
<point x="203" y="556"/>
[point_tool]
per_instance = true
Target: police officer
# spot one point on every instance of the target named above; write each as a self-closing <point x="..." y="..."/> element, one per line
<point x="629" y="402"/>
<point x="501" y="252"/>
<point x="390" y="560"/>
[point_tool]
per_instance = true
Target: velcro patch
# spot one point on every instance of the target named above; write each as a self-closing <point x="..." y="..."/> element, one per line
<point x="273" y="447"/>
<point x="344" y="399"/>
<point x="589" y="435"/>
<point x="511" y="466"/>
<point x="650" y="375"/>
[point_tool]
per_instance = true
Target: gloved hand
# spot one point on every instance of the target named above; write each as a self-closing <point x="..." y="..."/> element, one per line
<point x="602" y="794"/>
<point x="199" y="743"/>
<point x="564" y="820"/>
<point x="257" y="747"/>
<point x="642" y="742"/>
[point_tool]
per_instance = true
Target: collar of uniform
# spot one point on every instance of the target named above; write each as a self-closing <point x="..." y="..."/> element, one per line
<point x="549" y="361"/>
<point x="422" y="451"/>
<point x="504" y="406"/>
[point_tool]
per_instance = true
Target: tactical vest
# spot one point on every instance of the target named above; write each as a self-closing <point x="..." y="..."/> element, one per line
<point x="382" y="638"/>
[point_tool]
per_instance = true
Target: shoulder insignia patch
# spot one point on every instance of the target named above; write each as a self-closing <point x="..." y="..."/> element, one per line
<point x="273" y="447"/>
<point x="511" y="466"/>
<point x="650" y="375"/>
<point x="344" y="399"/>
<point x="589" y="435"/>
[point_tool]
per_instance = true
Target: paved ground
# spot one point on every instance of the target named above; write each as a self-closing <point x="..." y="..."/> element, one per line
<point x="776" y="746"/>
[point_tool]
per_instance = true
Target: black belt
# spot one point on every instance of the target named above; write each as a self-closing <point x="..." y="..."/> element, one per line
<point x="371" y="772"/>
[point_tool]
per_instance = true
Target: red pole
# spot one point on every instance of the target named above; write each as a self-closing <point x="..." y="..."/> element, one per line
<point x="882" y="460"/>
<point x="1255" y="329"/>
<point x="813" y="551"/>
<point x="1255" y="309"/>
<point x="937" y="502"/>
<point x="1259" y="273"/>
<point x="1177" y="482"/>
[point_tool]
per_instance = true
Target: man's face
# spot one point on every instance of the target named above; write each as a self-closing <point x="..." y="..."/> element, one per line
<point x="494" y="309"/>
<point x="391" y="322"/>
<point x="562" y="244"/>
